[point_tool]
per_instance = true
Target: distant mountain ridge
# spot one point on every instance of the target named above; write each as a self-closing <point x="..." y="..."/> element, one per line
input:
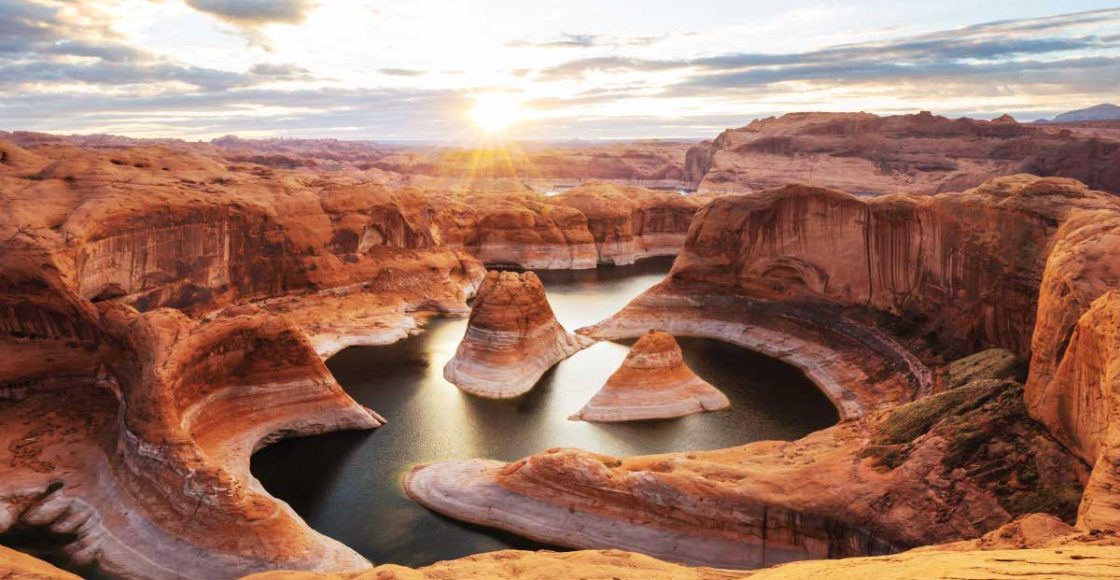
<point x="1101" y="112"/>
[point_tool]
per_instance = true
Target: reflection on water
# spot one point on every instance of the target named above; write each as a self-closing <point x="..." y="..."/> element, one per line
<point x="347" y="485"/>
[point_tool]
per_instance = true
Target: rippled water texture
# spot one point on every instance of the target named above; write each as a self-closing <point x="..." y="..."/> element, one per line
<point x="347" y="485"/>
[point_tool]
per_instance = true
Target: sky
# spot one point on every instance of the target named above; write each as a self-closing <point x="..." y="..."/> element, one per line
<point x="443" y="70"/>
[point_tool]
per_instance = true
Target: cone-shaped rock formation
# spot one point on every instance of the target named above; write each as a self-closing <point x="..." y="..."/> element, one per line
<point x="512" y="338"/>
<point x="652" y="383"/>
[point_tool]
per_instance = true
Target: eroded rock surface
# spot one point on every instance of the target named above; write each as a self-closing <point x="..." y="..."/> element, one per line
<point x="512" y="338"/>
<point x="922" y="154"/>
<point x="604" y="564"/>
<point x="868" y="296"/>
<point x="930" y="471"/>
<point x="652" y="383"/>
<point x="144" y="359"/>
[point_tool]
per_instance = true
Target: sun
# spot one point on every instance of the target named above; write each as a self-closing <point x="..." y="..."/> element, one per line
<point x="496" y="112"/>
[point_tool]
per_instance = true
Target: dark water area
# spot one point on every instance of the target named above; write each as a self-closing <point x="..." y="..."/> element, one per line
<point x="347" y="485"/>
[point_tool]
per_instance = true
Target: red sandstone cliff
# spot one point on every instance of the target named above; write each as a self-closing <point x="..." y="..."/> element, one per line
<point x="923" y="153"/>
<point x="850" y="289"/>
<point x="141" y="366"/>
<point x="139" y="294"/>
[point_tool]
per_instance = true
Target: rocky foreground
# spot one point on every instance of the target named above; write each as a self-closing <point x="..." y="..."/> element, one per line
<point x="924" y="153"/>
<point x="652" y="383"/>
<point x="870" y="298"/>
<point x="512" y="338"/>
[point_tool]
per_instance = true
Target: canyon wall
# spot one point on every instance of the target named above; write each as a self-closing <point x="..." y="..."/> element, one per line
<point x="590" y="225"/>
<point x="164" y="313"/>
<point x="629" y="223"/>
<point x="922" y="154"/>
<point x="970" y="264"/>
<point x="1074" y="381"/>
<point x="142" y="365"/>
<point x="853" y="290"/>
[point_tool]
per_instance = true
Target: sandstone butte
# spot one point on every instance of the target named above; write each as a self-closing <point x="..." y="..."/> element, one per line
<point x="922" y="153"/>
<point x="874" y="298"/>
<point x="165" y="313"/>
<point x="653" y="383"/>
<point x="512" y="338"/>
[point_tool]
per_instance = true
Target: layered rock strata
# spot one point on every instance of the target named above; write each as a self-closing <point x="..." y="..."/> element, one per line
<point x="512" y="338"/>
<point x="921" y="154"/>
<point x="628" y="223"/>
<point x="925" y="472"/>
<point x="144" y="360"/>
<point x="849" y="289"/>
<point x="590" y="225"/>
<point x="652" y="383"/>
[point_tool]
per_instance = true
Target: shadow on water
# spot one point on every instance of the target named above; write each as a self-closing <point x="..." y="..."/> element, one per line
<point x="347" y="485"/>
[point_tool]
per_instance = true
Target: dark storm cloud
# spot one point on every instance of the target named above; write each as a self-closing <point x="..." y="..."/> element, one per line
<point x="255" y="12"/>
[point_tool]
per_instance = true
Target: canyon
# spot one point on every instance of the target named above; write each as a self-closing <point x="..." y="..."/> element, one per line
<point x="166" y="311"/>
<point x="923" y="153"/>
<point x="870" y="297"/>
<point x="163" y="315"/>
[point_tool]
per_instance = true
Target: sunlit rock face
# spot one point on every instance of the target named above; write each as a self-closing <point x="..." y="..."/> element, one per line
<point x="969" y="263"/>
<point x="15" y="565"/>
<point x="643" y="162"/>
<point x="164" y="312"/>
<point x="630" y="223"/>
<point x="144" y="359"/>
<point x="512" y="338"/>
<point x="841" y="286"/>
<point x="586" y="226"/>
<point x="652" y="383"/>
<point x="923" y="154"/>
<point x="518" y="229"/>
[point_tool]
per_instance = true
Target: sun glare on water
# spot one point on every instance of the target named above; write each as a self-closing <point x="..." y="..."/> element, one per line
<point x="496" y="112"/>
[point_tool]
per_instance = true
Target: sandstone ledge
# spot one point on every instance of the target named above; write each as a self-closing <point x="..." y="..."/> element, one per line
<point x="18" y="566"/>
<point x="470" y="491"/>
<point x="1083" y="562"/>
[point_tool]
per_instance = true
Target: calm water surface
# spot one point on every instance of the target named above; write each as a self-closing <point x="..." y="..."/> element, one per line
<point x="347" y="485"/>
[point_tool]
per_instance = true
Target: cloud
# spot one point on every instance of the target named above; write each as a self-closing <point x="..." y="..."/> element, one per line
<point x="343" y="112"/>
<point x="47" y="46"/>
<point x="980" y="51"/>
<point x="252" y="13"/>
<point x="63" y="42"/>
<point x="280" y="71"/>
<point x="586" y="41"/>
<point x="401" y="72"/>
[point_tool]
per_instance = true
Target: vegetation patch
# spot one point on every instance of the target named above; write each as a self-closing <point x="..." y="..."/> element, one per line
<point x="910" y="421"/>
<point x="989" y="440"/>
